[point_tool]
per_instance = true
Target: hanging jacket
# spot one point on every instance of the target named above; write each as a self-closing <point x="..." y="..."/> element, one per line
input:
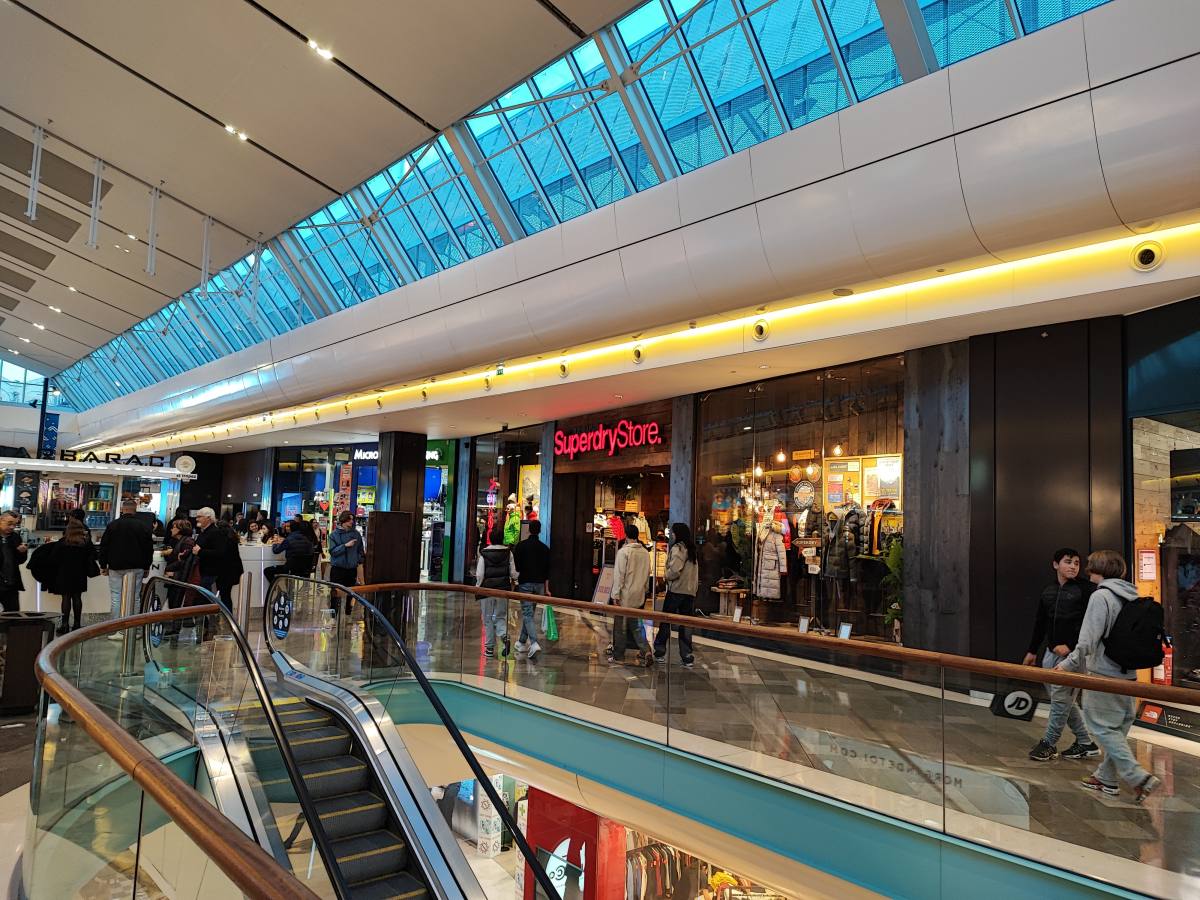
<point x="841" y="545"/>
<point x="512" y="528"/>
<point x="772" y="562"/>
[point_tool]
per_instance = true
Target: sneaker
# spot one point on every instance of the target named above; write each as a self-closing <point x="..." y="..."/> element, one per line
<point x="1081" y="751"/>
<point x="489" y="652"/>
<point x="1043" y="752"/>
<point x="1092" y="783"/>
<point x="115" y="636"/>
<point x="522" y="646"/>
<point x="612" y="660"/>
<point x="660" y="657"/>
<point x="534" y="649"/>
<point x="689" y="663"/>
<point x="1148" y="786"/>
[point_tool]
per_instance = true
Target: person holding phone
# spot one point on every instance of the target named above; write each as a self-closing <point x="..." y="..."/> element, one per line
<point x="13" y="552"/>
<point x="345" y="553"/>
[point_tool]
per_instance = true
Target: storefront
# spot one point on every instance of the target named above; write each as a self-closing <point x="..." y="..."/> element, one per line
<point x="505" y="487"/>
<point x="45" y="491"/>
<point x="322" y="482"/>
<point x="1163" y="389"/>
<point x="611" y="470"/>
<point x="799" y="497"/>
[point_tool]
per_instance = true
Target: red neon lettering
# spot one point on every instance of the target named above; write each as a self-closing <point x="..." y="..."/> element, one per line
<point x="610" y="439"/>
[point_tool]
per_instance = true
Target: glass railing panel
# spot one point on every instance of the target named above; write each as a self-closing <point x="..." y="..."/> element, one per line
<point x="1039" y="807"/>
<point x="169" y="864"/>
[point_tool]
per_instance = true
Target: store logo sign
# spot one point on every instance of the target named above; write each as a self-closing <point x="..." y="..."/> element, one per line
<point x="361" y="455"/>
<point x="610" y="440"/>
<point x="112" y="458"/>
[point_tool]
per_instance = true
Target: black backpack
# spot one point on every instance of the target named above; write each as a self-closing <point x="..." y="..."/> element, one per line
<point x="1135" y="640"/>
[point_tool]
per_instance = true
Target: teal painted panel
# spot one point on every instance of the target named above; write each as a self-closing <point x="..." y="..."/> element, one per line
<point x="824" y="833"/>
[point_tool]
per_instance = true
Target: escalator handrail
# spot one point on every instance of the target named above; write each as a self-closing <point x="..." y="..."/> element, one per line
<point x="252" y="869"/>
<point x="477" y="770"/>
<point x="1162" y="693"/>
<point x="307" y="805"/>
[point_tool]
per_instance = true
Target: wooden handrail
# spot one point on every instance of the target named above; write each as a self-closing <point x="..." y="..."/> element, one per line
<point x="252" y="869"/>
<point x="1158" y="692"/>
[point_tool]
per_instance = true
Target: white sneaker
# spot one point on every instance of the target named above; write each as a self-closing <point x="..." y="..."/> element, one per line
<point x="534" y="649"/>
<point x="522" y="646"/>
<point x="116" y="636"/>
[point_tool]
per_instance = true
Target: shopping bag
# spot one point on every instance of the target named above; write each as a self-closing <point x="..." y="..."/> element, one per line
<point x="549" y="623"/>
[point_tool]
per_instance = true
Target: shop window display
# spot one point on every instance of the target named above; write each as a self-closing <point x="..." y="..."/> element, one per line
<point x="799" y="495"/>
<point x="507" y="474"/>
<point x="1166" y="534"/>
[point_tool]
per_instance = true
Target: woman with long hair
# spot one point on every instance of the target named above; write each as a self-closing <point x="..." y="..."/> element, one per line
<point x="683" y="577"/>
<point x="74" y="563"/>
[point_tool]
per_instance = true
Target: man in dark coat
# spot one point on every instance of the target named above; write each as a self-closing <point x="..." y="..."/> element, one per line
<point x="12" y="554"/>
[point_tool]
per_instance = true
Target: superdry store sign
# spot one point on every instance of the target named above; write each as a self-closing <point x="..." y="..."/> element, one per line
<point x="620" y="439"/>
<point x="608" y="439"/>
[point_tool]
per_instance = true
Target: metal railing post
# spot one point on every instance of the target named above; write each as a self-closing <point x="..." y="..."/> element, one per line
<point x="130" y="595"/>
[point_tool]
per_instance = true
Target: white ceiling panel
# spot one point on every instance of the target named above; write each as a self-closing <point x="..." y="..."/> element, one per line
<point x="442" y="60"/>
<point x="236" y="64"/>
<point x="591" y="15"/>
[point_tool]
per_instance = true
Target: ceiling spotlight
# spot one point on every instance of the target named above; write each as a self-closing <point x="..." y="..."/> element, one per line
<point x="14" y="352"/>
<point x="55" y="308"/>
<point x="323" y="52"/>
<point x="39" y="326"/>
<point x="231" y="129"/>
<point x="71" y="288"/>
<point x="242" y="136"/>
<point x="25" y="339"/>
<point x="132" y="237"/>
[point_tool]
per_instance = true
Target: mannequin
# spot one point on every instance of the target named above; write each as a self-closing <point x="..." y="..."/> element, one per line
<point x="772" y="561"/>
<point x="512" y="522"/>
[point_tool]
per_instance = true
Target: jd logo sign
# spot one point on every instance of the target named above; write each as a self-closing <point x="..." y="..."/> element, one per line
<point x="1015" y="704"/>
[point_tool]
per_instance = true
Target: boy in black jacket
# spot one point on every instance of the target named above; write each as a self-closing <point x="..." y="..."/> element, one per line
<point x="1059" y="616"/>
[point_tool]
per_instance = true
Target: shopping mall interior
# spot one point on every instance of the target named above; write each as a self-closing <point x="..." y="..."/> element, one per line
<point x="600" y="449"/>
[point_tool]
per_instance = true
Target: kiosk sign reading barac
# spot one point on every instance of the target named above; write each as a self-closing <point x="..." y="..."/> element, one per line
<point x="607" y="439"/>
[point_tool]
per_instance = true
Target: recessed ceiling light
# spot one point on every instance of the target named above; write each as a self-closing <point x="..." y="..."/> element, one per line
<point x="14" y="352"/>
<point x="242" y="136"/>
<point x="39" y="326"/>
<point x="55" y="308"/>
<point x="132" y="237"/>
<point x="71" y="288"/>
<point x="323" y="52"/>
<point x="231" y="129"/>
<point x="25" y="339"/>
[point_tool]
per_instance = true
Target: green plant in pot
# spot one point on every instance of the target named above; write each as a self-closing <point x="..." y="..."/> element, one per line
<point x="892" y="585"/>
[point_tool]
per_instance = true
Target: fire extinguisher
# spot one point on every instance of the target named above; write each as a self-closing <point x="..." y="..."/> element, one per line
<point x="1162" y="673"/>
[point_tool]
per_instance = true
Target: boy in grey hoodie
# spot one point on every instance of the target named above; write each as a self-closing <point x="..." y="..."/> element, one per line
<point x="1108" y="716"/>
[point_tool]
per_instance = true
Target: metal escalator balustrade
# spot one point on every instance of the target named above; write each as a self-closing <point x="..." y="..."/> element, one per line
<point x="114" y="807"/>
<point x="926" y="738"/>
<point x="306" y="626"/>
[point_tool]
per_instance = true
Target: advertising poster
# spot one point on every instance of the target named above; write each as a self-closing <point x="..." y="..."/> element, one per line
<point x="25" y="490"/>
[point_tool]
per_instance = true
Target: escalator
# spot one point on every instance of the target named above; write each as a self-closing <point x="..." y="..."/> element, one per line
<point x="307" y="766"/>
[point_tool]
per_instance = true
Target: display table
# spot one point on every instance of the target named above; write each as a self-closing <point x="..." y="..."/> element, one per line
<point x="730" y="598"/>
<point x="255" y="558"/>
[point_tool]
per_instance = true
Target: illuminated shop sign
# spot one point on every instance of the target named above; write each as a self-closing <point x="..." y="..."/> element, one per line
<point x="111" y="458"/>
<point x="361" y="455"/>
<point x="607" y="439"/>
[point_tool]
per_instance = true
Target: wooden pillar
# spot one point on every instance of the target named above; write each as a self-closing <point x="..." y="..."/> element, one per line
<point x="401" y="490"/>
<point x="683" y="456"/>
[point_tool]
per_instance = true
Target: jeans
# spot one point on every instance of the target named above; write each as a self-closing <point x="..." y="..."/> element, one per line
<point x="528" y="608"/>
<point x="1109" y="716"/>
<point x="115" y="577"/>
<point x="1064" y="707"/>
<point x="683" y="605"/>
<point x="628" y="630"/>
<point x="495" y="619"/>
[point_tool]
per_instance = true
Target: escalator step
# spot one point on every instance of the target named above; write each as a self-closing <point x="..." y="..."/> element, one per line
<point x="370" y="855"/>
<point x="318" y="743"/>
<point x="334" y="775"/>
<point x="400" y="886"/>
<point x="348" y="814"/>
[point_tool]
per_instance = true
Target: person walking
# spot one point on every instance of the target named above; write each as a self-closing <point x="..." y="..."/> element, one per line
<point x="1056" y="627"/>
<point x="126" y="546"/>
<point x="495" y="569"/>
<point x="631" y="577"/>
<point x="13" y="553"/>
<point x="346" y="554"/>
<point x="532" y="558"/>
<point x="73" y="560"/>
<point x="216" y="549"/>
<point x="683" y="578"/>
<point x="183" y="565"/>
<point x="297" y="552"/>
<point x="1108" y="716"/>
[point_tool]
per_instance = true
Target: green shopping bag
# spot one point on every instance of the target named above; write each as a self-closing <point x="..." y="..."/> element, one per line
<point x="550" y="626"/>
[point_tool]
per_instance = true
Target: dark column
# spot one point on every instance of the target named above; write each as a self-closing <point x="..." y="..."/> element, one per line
<point x="937" y="502"/>
<point x="683" y="455"/>
<point x="546" y="487"/>
<point x="401" y="491"/>
<point x="464" y="508"/>
<point x="1106" y="421"/>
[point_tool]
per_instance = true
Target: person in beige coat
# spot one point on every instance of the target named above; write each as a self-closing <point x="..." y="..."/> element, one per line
<point x="631" y="577"/>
